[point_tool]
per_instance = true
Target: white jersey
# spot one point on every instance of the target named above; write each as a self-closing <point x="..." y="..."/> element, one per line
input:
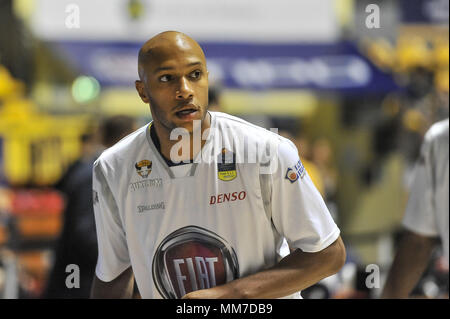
<point x="427" y="209"/>
<point x="203" y="224"/>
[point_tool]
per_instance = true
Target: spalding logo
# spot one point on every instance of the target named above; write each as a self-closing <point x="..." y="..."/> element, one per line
<point x="192" y="258"/>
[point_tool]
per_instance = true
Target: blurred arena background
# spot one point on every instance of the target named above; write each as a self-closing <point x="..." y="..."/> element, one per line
<point x="354" y="95"/>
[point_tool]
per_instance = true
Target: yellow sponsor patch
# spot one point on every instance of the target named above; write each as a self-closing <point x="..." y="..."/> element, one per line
<point x="226" y="165"/>
<point x="227" y="175"/>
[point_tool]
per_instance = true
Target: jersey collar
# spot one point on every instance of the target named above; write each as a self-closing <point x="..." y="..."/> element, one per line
<point x="161" y="160"/>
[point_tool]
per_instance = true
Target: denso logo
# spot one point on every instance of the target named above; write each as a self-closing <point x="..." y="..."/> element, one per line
<point x="227" y="197"/>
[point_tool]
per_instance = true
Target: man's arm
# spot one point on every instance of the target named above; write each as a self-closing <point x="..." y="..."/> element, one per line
<point x="118" y="288"/>
<point x="409" y="264"/>
<point x="295" y="272"/>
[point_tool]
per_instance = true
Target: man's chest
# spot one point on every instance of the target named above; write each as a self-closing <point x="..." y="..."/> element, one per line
<point x="205" y="190"/>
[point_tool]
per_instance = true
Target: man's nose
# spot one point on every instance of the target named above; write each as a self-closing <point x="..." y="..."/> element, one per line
<point x="185" y="90"/>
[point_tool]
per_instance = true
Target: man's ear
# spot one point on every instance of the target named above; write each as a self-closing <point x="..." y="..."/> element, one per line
<point x="141" y="91"/>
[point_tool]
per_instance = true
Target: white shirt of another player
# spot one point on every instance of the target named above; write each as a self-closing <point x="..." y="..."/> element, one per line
<point x="427" y="209"/>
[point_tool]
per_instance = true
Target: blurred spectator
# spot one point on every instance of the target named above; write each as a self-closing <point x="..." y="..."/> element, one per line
<point x="323" y="159"/>
<point x="303" y="148"/>
<point x="341" y="284"/>
<point x="78" y="241"/>
<point x="434" y="281"/>
<point x="422" y="106"/>
<point x="90" y="146"/>
<point x="214" y="93"/>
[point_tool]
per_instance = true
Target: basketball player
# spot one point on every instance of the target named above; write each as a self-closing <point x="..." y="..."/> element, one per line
<point x="426" y="216"/>
<point x="187" y="215"/>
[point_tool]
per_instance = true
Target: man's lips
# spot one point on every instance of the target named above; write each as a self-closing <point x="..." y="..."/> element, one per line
<point x="187" y="112"/>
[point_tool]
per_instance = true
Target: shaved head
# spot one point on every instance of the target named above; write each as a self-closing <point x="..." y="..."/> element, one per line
<point x="164" y="45"/>
<point x="173" y="80"/>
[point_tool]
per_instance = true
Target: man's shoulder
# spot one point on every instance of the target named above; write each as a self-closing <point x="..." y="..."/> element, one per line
<point x="246" y="133"/>
<point x="126" y="147"/>
<point x="439" y="129"/>
<point x="438" y="133"/>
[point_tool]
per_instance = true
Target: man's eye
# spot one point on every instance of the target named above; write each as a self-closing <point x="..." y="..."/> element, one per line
<point x="165" y="78"/>
<point x="196" y="74"/>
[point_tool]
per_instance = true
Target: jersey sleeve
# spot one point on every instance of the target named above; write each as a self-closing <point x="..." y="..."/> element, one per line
<point x="113" y="257"/>
<point x="298" y="210"/>
<point x="419" y="214"/>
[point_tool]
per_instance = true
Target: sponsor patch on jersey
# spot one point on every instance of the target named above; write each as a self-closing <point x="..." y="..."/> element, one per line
<point x="143" y="168"/>
<point x="192" y="258"/>
<point x="226" y="165"/>
<point x="296" y="172"/>
<point x="227" y="197"/>
<point x="145" y="208"/>
<point x="156" y="182"/>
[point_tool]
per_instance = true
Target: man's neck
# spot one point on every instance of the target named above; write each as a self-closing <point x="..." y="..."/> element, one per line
<point x="183" y="144"/>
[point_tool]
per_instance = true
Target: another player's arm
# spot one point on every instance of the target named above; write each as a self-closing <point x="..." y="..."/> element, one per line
<point x="295" y="272"/>
<point x="412" y="258"/>
<point x="418" y="241"/>
<point x="119" y="288"/>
